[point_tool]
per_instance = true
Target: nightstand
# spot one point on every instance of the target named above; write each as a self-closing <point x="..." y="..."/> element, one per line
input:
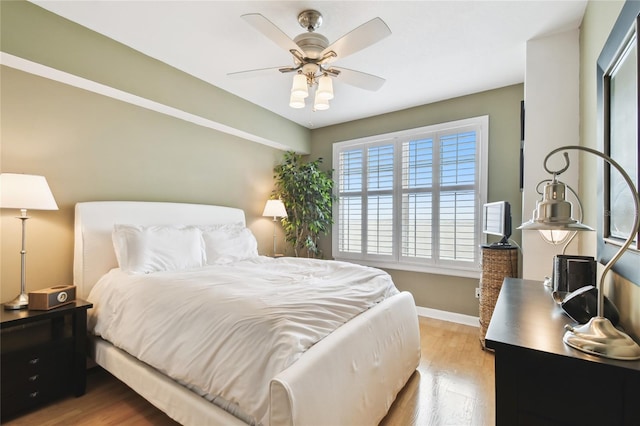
<point x="42" y="356"/>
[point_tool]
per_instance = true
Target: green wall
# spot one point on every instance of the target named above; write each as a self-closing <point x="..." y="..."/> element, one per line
<point x="35" y="34"/>
<point x="91" y="147"/>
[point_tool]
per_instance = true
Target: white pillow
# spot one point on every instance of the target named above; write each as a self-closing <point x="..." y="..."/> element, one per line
<point x="145" y="249"/>
<point x="229" y="243"/>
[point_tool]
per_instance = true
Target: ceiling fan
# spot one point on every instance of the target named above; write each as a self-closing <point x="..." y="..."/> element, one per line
<point x="313" y="55"/>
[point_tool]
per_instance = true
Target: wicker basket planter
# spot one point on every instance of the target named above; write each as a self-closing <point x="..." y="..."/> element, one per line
<point x="497" y="263"/>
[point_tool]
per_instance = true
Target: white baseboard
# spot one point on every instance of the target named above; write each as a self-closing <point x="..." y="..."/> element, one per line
<point x="448" y="316"/>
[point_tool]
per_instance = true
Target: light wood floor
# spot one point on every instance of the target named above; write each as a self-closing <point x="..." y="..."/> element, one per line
<point x="454" y="385"/>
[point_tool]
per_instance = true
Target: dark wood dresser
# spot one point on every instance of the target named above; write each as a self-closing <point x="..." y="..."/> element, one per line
<point x="540" y="380"/>
<point x="42" y="356"/>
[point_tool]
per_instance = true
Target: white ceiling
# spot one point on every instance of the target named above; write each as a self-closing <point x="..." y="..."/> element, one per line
<point x="437" y="50"/>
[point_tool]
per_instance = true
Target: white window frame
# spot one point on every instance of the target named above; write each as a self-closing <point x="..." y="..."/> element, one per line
<point x="438" y="266"/>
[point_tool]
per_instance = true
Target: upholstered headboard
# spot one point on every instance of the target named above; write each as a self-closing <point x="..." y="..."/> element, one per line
<point x="93" y="248"/>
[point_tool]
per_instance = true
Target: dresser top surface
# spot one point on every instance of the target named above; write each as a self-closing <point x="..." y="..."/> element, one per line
<point x="526" y="317"/>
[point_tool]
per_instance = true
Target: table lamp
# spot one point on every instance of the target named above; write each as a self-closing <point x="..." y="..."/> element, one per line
<point x="598" y="336"/>
<point x="557" y="236"/>
<point x="276" y="209"/>
<point x="553" y="200"/>
<point x="20" y="191"/>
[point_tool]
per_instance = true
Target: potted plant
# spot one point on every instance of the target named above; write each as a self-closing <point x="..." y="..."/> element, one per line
<point x="306" y="192"/>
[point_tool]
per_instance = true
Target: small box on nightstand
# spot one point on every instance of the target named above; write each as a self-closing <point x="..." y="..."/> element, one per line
<point x="52" y="297"/>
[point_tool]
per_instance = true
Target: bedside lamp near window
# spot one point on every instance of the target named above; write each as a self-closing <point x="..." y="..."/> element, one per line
<point x="598" y="336"/>
<point x="276" y="209"/>
<point x="19" y="191"/>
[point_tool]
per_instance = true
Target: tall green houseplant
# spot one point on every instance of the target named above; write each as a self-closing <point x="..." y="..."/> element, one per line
<point x="306" y="192"/>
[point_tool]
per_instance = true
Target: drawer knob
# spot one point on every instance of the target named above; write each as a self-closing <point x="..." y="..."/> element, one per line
<point x="34" y="361"/>
<point x="33" y="394"/>
<point x="34" y="378"/>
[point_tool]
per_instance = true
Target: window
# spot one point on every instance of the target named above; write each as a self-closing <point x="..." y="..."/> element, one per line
<point x="412" y="199"/>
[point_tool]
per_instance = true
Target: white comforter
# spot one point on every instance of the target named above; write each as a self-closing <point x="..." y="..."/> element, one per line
<point x="227" y="330"/>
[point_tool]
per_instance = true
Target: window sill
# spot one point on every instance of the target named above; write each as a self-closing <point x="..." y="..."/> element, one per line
<point x="414" y="267"/>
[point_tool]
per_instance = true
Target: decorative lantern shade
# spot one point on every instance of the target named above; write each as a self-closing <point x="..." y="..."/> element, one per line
<point x="554" y="236"/>
<point x="553" y="212"/>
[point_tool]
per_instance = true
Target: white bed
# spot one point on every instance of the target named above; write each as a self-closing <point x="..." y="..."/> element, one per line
<point x="350" y="377"/>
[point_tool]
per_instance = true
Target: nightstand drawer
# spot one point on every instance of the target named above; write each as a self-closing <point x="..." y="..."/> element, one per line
<point x="42" y="356"/>
<point x="36" y="375"/>
<point x="26" y="398"/>
<point x="40" y="364"/>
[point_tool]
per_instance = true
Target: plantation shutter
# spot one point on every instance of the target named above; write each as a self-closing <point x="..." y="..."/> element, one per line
<point x="417" y="198"/>
<point x="412" y="198"/>
<point x="457" y="196"/>
<point x="350" y="166"/>
<point x="380" y="170"/>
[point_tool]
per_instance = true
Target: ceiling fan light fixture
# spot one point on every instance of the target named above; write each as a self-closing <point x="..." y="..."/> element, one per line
<point x="325" y="88"/>
<point x="312" y="54"/>
<point x="299" y="89"/>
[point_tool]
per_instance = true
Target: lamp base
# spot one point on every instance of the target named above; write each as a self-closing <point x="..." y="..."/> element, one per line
<point x="20" y="302"/>
<point x="599" y="337"/>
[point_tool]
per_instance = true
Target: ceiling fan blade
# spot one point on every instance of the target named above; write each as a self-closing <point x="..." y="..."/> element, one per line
<point x="289" y="69"/>
<point x="253" y="73"/>
<point x="269" y="29"/>
<point x="364" y="36"/>
<point x="360" y="79"/>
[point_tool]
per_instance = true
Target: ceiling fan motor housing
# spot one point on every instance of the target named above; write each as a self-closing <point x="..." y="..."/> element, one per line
<point x="312" y="44"/>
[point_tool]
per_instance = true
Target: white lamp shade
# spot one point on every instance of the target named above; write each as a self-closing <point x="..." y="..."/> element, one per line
<point x="299" y="89"/>
<point x="274" y="208"/>
<point x="30" y="192"/>
<point x="325" y="88"/>
<point x="320" y="104"/>
<point x="296" y="102"/>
